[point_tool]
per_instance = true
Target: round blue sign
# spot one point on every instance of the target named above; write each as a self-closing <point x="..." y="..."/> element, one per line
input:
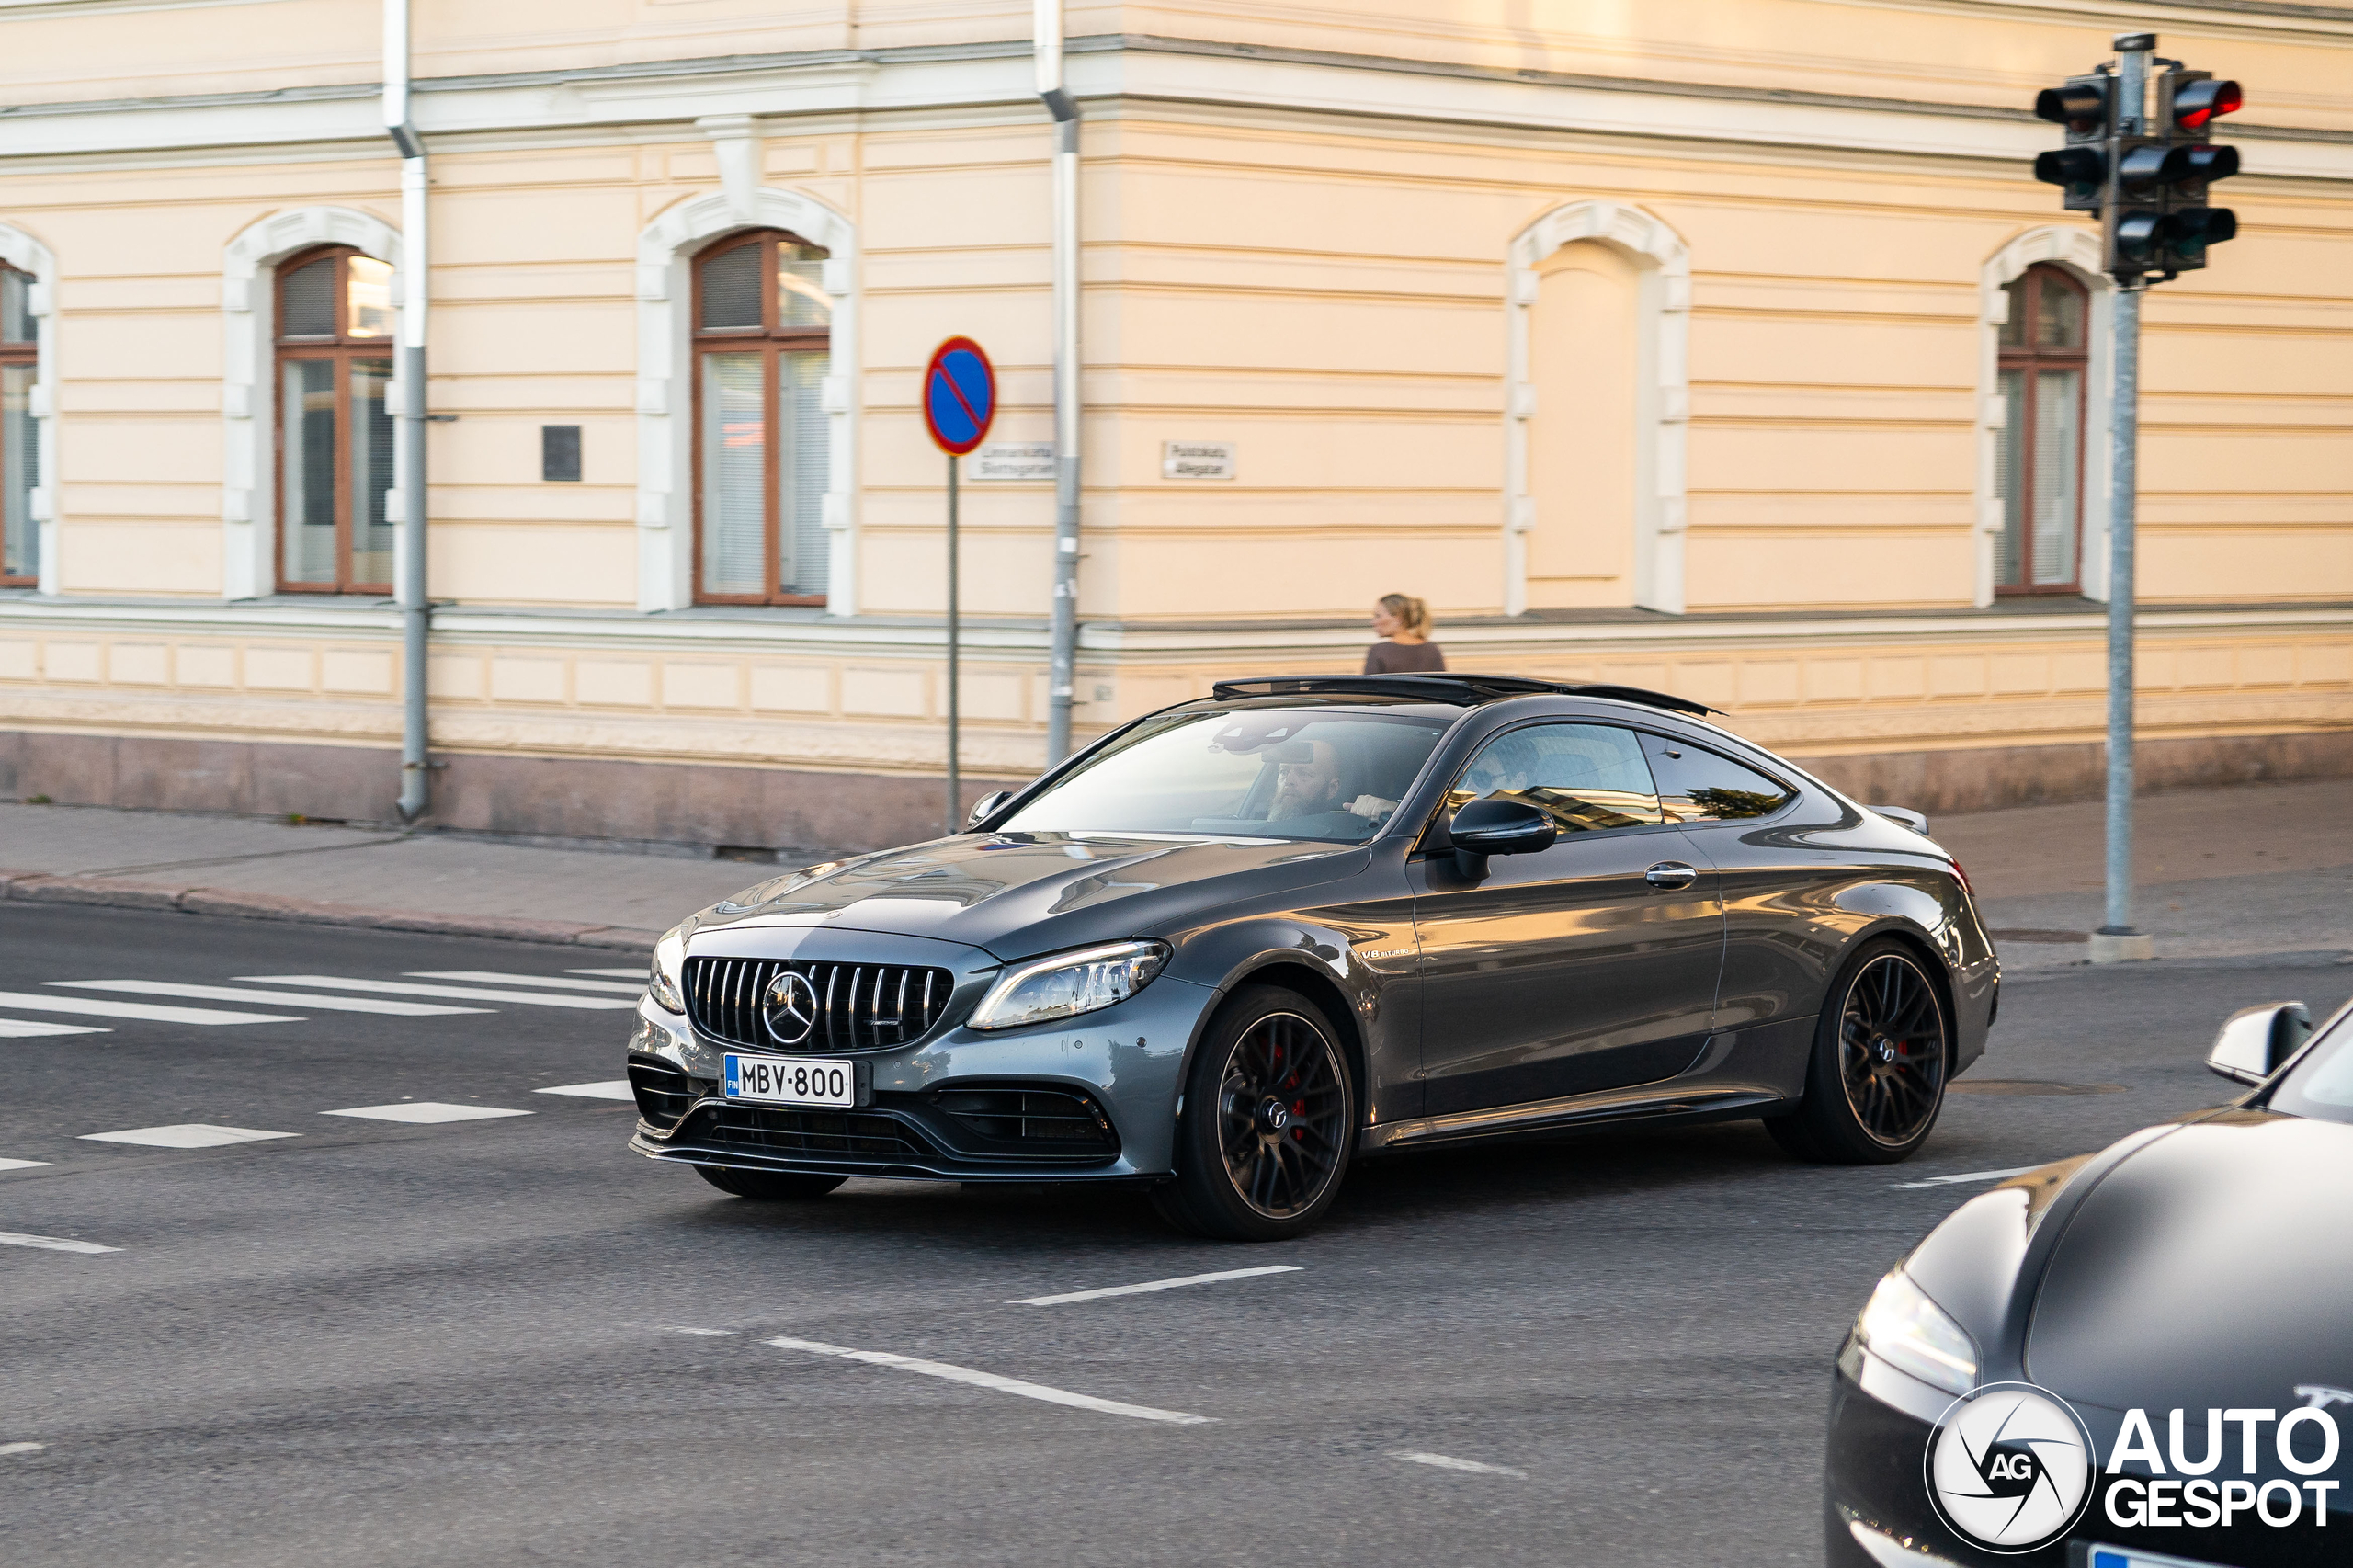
<point x="959" y="395"/>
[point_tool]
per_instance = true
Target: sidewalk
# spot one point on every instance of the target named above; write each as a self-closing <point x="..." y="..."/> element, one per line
<point x="461" y="886"/>
<point x="2256" y="869"/>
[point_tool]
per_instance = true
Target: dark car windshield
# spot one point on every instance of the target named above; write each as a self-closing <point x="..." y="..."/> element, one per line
<point x="2321" y="1086"/>
<point x="1333" y="774"/>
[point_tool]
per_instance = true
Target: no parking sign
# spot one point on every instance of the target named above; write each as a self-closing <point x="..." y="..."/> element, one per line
<point x="959" y="395"/>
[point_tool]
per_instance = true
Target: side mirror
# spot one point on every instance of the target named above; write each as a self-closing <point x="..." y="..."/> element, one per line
<point x="1482" y="828"/>
<point x="987" y="806"/>
<point x="2255" y="1042"/>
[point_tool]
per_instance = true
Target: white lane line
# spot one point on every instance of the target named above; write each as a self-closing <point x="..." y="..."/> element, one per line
<point x="991" y="1380"/>
<point x="1964" y="1176"/>
<point x="283" y="998"/>
<point x="404" y="988"/>
<point x="50" y="1244"/>
<point x="185" y="1135"/>
<point x="1155" y="1285"/>
<point x="22" y="1448"/>
<point x="20" y="1164"/>
<point x="637" y="974"/>
<point x="26" y="1029"/>
<point x="492" y="977"/>
<point x="425" y="1110"/>
<point x="34" y="1002"/>
<point x="611" y="1089"/>
<point x="1447" y="1461"/>
<point x="708" y="1333"/>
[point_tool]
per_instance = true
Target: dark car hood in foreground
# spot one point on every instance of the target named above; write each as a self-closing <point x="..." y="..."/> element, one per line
<point x="1017" y="894"/>
<point x="2212" y="1268"/>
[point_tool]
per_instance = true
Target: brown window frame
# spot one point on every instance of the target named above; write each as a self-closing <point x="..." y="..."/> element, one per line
<point x="342" y="349"/>
<point x="772" y="341"/>
<point x="26" y="353"/>
<point x="2027" y="359"/>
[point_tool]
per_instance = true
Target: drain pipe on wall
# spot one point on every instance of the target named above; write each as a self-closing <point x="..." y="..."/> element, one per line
<point x="1048" y="46"/>
<point x="408" y="423"/>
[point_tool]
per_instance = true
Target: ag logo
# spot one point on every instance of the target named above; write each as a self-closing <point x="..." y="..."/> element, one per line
<point x="790" y="1011"/>
<point x="2010" y="1467"/>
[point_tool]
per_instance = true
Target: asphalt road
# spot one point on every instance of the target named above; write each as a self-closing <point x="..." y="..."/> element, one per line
<point x="506" y="1340"/>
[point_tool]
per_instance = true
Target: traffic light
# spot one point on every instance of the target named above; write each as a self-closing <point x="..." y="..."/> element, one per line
<point x="2080" y="167"/>
<point x="2147" y="175"/>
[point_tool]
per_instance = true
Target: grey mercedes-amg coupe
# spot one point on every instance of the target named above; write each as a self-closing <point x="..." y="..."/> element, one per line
<point x="1241" y="941"/>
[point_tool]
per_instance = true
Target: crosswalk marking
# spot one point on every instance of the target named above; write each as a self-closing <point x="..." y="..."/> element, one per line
<point x="637" y="974"/>
<point x="185" y="1135"/>
<point x="25" y="1028"/>
<point x="611" y="1089"/>
<point x="552" y="982"/>
<point x="283" y="998"/>
<point x="47" y="1243"/>
<point x="408" y="988"/>
<point x="153" y="1013"/>
<point x="425" y="1110"/>
<point x="20" y="1164"/>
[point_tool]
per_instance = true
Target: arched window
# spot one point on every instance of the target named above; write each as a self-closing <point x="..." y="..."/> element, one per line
<point x="335" y="434"/>
<point x="762" y="347"/>
<point x="19" y="444"/>
<point x="2042" y="361"/>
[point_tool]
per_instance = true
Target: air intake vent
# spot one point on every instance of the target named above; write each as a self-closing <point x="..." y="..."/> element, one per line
<point x="854" y="1006"/>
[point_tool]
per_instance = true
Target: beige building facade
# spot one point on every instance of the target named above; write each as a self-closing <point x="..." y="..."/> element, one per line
<point x="1719" y="345"/>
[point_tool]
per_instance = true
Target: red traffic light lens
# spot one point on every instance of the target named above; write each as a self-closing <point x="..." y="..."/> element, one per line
<point x="2199" y="104"/>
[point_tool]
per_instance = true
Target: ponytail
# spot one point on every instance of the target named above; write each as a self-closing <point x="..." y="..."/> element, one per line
<point x="1411" y="613"/>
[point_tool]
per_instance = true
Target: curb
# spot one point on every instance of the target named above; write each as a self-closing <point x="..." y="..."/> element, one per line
<point x="38" y="888"/>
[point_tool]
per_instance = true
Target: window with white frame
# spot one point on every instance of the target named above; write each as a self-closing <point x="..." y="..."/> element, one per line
<point x="2042" y="362"/>
<point x="20" y="435"/>
<point x="334" y="432"/>
<point x="763" y="343"/>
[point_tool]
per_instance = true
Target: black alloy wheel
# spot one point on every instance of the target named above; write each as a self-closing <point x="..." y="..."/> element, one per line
<point x="1269" y="1119"/>
<point x="1881" y="1053"/>
<point x="768" y="1185"/>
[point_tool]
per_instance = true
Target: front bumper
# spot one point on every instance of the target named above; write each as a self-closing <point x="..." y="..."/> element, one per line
<point x="1091" y="1098"/>
<point x="1876" y="1507"/>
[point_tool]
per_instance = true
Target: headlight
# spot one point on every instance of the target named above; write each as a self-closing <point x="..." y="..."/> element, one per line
<point x="1903" y="1327"/>
<point x="662" y="982"/>
<point x="1068" y="985"/>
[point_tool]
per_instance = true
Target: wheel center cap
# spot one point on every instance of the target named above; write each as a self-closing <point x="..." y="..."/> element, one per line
<point x="1884" y="1048"/>
<point x="1273" y="1114"/>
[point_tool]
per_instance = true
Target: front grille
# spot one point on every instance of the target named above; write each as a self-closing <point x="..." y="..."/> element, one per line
<point x="763" y="1130"/>
<point x="1071" y="1123"/>
<point x="859" y="1006"/>
<point x="663" y="1093"/>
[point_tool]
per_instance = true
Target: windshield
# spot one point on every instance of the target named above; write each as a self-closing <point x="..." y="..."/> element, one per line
<point x="2321" y="1086"/>
<point x="1330" y="774"/>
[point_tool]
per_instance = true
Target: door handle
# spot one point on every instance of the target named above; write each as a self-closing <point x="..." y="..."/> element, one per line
<point x="1670" y="876"/>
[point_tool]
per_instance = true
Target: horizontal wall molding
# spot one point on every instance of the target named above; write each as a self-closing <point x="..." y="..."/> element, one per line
<point x="1103" y="69"/>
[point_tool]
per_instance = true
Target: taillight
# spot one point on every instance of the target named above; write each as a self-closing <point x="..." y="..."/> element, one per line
<point x="1963" y="877"/>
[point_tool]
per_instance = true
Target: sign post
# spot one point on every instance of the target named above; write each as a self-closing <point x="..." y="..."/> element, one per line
<point x="959" y="402"/>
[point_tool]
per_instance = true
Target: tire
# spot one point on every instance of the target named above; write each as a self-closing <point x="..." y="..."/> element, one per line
<point x="768" y="1186"/>
<point x="1883" y="1052"/>
<point x="1269" y="1123"/>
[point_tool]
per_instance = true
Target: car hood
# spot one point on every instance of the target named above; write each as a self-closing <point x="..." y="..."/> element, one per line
<point x="1019" y="894"/>
<point x="2210" y="1268"/>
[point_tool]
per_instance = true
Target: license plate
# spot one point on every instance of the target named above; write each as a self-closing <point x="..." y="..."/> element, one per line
<point x="785" y="1080"/>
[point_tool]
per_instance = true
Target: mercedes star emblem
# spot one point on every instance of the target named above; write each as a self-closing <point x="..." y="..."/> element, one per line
<point x="792" y="1010"/>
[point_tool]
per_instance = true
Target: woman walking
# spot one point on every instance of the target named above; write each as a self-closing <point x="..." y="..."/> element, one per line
<point x="1405" y="623"/>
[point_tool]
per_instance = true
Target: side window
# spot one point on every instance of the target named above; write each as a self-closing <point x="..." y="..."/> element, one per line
<point x="1587" y="777"/>
<point x="1696" y="785"/>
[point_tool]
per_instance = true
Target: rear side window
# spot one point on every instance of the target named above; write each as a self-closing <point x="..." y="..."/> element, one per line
<point x="1698" y="785"/>
<point x="1587" y="777"/>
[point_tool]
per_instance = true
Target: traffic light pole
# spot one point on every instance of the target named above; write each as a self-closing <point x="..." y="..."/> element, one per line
<point x="2116" y="941"/>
